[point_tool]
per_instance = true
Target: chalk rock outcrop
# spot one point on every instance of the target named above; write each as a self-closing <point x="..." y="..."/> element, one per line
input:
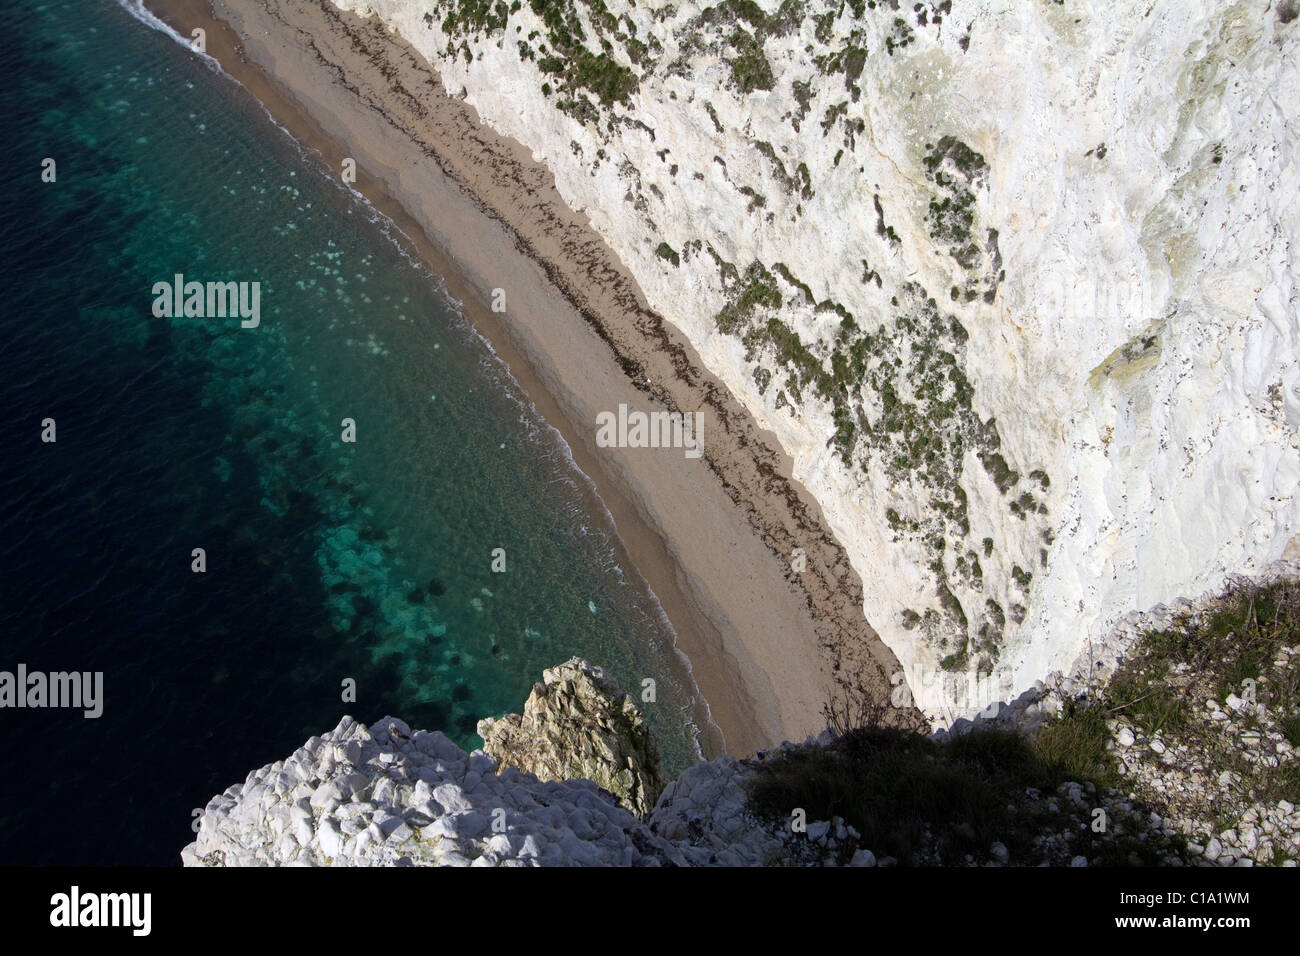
<point x="578" y="723"/>
<point x="387" y="796"/>
<point x="390" y="796"/>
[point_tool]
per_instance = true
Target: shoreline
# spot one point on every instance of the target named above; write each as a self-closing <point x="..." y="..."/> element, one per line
<point x="767" y="647"/>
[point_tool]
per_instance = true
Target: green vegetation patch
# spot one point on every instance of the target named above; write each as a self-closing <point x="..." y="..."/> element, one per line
<point x="565" y="55"/>
<point x="901" y="405"/>
<point x="1234" y="644"/>
<point x="737" y="30"/>
<point x="800" y="184"/>
<point x="925" y="802"/>
<point x="756" y="288"/>
<point x="1167" y="677"/>
<point x="955" y="169"/>
<point x="750" y="70"/>
<point x="667" y="252"/>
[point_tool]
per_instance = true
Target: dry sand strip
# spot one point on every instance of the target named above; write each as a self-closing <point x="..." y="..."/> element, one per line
<point x="768" y="647"/>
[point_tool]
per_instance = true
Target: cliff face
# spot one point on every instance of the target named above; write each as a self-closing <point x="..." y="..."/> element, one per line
<point x="1013" y="283"/>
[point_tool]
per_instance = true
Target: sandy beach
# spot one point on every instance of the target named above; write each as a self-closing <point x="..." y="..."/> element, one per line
<point x="769" y="647"/>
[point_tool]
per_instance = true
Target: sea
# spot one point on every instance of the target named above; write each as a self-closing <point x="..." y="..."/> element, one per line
<point x="250" y="531"/>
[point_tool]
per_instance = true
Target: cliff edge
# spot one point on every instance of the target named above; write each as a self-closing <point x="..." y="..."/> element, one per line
<point x="1182" y="753"/>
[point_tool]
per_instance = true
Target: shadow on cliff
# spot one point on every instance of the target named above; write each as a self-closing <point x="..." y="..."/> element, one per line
<point x="1195" y="727"/>
<point x="990" y="796"/>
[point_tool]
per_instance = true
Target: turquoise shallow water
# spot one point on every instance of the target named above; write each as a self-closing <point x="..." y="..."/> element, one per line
<point x="326" y="560"/>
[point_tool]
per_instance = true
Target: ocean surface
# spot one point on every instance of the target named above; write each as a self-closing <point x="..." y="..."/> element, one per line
<point x="327" y="561"/>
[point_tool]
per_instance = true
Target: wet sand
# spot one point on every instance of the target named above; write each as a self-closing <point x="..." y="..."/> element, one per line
<point x="769" y="647"/>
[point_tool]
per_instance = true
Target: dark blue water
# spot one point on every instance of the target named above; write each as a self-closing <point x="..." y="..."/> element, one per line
<point x="327" y="560"/>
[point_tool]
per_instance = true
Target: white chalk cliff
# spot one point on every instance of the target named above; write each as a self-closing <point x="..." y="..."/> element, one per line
<point x="1032" y="266"/>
